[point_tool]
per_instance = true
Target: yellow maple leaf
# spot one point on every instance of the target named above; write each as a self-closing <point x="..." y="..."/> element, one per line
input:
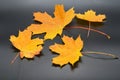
<point x="69" y="52"/>
<point x="91" y="16"/>
<point x="28" y="47"/>
<point x="52" y="26"/>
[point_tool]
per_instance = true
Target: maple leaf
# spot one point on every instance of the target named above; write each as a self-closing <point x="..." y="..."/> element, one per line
<point x="69" y="52"/>
<point x="91" y="16"/>
<point x="28" y="47"/>
<point x="52" y="26"/>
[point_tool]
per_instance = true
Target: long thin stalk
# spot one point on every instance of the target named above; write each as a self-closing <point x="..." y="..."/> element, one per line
<point x="100" y="32"/>
<point x="13" y="60"/>
<point x="101" y="53"/>
<point x="89" y="27"/>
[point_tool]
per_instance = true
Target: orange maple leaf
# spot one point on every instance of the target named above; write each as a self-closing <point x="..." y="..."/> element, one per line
<point x="52" y="26"/>
<point x="91" y="16"/>
<point x="69" y="52"/>
<point x="28" y="47"/>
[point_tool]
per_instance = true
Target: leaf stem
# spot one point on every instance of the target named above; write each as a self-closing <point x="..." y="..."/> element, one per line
<point x="100" y="32"/>
<point x="101" y="53"/>
<point x="89" y="26"/>
<point x="13" y="60"/>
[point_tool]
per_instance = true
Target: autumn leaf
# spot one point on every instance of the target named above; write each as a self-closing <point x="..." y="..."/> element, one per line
<point x="28" y="47"/>
<point x="91" y="16"/>
<point x="52" y="25"/>
<point x="69" y="52"/>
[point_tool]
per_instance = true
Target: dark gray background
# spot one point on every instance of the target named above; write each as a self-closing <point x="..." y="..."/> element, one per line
<point x="18" y="14"/>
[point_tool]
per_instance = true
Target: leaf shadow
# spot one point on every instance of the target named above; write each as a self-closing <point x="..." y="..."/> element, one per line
<point x="41" y="36"/>
<point x="36" y="22"/>
<point x="14" y="49"/>
<point x="56" y="65"/>
<point x="76" y="65"/>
